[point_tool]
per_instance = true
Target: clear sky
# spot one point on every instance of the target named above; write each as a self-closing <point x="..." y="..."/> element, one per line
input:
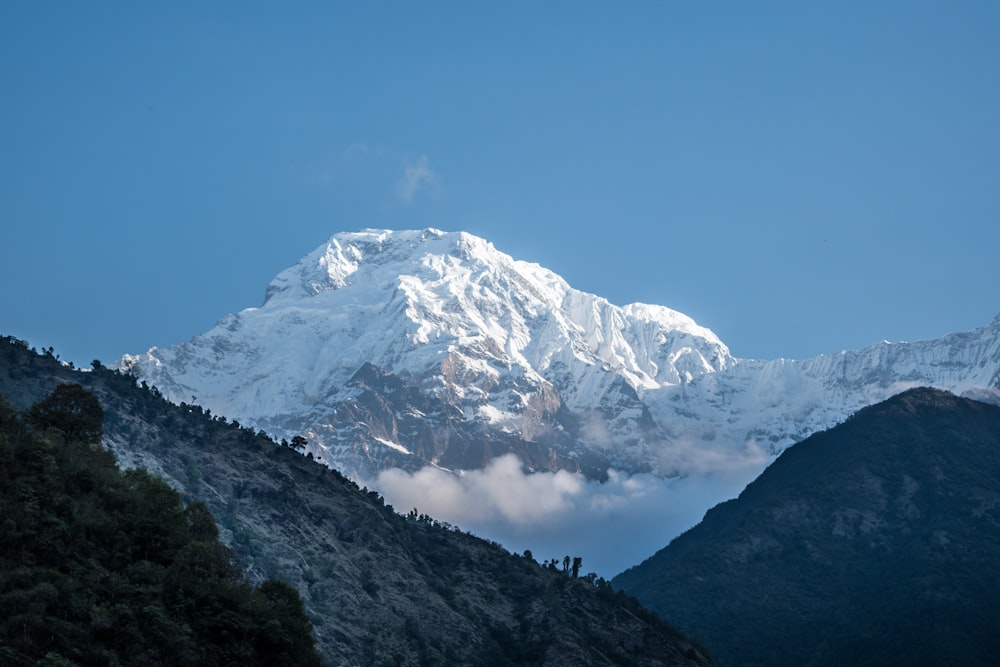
<point x="800" y="177"/>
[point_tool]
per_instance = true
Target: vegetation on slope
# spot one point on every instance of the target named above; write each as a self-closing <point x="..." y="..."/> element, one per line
<point x="380" y="588"/>
<point x="874" y="543"/>
<point x="101" y="567"/>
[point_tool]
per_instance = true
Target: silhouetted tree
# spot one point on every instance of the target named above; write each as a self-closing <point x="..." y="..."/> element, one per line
<point x="71" y="409"/>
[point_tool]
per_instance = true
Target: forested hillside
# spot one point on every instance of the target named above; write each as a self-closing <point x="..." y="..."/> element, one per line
<point x="876" y="542"/>
<point x="103" y="567"/>
<point x="379" y="587"/>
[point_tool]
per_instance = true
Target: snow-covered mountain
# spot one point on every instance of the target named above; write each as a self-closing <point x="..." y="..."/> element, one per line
<point x="413" y="348"/>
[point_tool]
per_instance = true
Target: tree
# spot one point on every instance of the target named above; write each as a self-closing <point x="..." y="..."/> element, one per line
<point x="71" y="409"/>
<point x="112" y="568"/>
<point x="577" y="563"/>
<point x="285" y="636"/>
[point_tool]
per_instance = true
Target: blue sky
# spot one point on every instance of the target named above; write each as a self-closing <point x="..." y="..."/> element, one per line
<point x="800" y="177"/>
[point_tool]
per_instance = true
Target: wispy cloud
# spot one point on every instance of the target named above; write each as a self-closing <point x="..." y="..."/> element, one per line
<point x="363" y="148"/>
<point x="360" y="165"/>
<point x="370" y="172"/>
<point x="416" y="176"/>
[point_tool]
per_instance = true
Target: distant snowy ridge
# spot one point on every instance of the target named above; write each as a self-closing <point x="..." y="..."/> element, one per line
<point x="409" y="348"/>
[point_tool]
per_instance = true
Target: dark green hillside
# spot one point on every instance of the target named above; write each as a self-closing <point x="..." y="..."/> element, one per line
<point x="876" y="542"/>
<point x="379" y="588"/>
<point x="100" y="567"/>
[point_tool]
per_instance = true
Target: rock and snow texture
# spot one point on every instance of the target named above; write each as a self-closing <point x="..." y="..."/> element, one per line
<point x="413" y="348"/>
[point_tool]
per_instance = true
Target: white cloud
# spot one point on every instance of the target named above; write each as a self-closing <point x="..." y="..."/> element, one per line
<point x="693" y="457"/>
<point x="370" y="172"/>
<point x="612" y="524"/>
<point x="501" y="491"/>
<point x="416" y="176"/>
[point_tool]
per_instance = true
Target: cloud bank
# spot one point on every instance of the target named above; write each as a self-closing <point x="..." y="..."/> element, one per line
<point x="612" y="525"/>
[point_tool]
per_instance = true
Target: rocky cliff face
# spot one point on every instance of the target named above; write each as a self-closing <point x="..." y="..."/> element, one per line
<point x="478" y="354"/>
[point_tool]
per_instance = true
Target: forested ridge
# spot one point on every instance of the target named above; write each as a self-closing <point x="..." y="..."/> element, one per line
<point x="104" y="567"/>
<point x="876" y="542"/>
<point x="379" y="587"/>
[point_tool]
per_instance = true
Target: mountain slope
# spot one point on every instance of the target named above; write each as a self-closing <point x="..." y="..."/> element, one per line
<point x="104" y="567"/>
<point x="378" y="587"/>
<point x="407" y="349"/>
<point x="875" y="542"/>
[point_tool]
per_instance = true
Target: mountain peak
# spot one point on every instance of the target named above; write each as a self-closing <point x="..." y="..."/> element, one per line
<point x="332" y="263"/>
<point x="917" y="401"/>
<point x="506" y="350"/>
<point x="508" y="342"/>
<point x="387" y="254"/>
